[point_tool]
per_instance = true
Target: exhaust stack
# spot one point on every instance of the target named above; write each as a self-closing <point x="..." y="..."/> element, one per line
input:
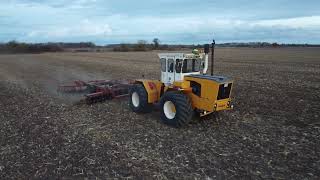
<point x="212" y="56"/>
<point x="206" y="58"/>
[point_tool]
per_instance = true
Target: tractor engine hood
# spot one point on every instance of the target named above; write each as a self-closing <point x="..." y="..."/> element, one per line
<point x="218" y="79"/>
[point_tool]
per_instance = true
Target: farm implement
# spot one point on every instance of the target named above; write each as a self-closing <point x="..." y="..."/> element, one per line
<point x="98" y="90"/>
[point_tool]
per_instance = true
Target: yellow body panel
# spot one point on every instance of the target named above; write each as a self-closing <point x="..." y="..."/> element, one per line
<point x="182" y="84"/>
<point x="209" y="92"/>
<point x="153" y="88"/>
<point x="206" y="102"/>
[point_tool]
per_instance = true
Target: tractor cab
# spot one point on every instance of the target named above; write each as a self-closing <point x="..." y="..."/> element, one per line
<point x="174" y="66"/>
<point x="184" y="90"/>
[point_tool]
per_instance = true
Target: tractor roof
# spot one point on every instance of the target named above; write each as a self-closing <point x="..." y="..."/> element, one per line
<point x="180" y="55"/>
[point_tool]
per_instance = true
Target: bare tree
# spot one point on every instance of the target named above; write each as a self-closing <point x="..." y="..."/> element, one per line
<point x="156" y="43"/>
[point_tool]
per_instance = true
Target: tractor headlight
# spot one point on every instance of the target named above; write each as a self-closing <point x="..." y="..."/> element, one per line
<point x="215" y="107"/>
<point x="229" y="104"/>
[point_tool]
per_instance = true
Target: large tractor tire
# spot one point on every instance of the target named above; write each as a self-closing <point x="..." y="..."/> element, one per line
<point x="176" y="109"/>
<point x="139" y="99"/>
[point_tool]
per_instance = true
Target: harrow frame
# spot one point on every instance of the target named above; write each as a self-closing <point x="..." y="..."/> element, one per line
<point x="99" y="90"/>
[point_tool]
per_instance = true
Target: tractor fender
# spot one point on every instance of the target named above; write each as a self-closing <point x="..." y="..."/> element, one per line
<point x="153" y="88"/>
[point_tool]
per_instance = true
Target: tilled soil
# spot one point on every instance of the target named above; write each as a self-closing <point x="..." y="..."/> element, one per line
<point x="272" y="133"/>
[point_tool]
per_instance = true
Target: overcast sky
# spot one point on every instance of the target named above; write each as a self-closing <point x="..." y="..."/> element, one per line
<point x="172" y="21"/>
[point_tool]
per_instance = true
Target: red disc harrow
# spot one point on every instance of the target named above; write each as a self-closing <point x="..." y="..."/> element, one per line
<point x="99" y="90"/>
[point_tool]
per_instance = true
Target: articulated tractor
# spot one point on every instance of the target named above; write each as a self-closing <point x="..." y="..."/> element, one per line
<point x="184" y="90"/>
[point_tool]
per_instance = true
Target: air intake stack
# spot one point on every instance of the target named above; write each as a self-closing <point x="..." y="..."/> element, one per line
<point x="212" y="55"/>
<point x="206" y="58"/>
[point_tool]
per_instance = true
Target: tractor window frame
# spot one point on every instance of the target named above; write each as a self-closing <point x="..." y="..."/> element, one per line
<point x="163" y="62"/>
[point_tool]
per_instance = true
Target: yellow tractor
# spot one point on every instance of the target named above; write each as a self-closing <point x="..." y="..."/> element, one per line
<point x="184" y="88"/>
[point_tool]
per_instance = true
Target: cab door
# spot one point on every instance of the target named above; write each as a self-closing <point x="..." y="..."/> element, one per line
<point x="164" y="70"/>
<point x="167" y="71"/>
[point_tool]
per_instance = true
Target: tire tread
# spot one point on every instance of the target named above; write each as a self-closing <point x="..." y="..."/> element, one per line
<point x="184" y="109"/>
<point x="144" y="106"/>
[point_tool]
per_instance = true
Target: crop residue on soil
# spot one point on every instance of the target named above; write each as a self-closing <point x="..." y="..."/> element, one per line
<point x="273" y="132"/>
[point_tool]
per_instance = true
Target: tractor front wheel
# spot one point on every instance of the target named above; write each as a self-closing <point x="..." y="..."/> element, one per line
<point x="139" y="99"/>
<point x="176" y="109"/>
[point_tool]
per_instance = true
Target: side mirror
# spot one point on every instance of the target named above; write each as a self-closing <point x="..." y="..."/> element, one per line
<point x="206" y="48"/>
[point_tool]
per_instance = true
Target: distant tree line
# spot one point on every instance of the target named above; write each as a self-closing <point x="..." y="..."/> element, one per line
<point x="143" y="45"/>
<point x="20" y="47"/>
<point x="265" y="44"/>
<point x="140" y="45"/>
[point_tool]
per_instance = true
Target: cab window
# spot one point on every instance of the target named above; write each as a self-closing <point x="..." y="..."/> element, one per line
<point x="170" y="65"/>
<point x="178" y="65"/>
<point x="196" y="65"/>
<point x="163" y="64"/>
<point x="191" y="65"/>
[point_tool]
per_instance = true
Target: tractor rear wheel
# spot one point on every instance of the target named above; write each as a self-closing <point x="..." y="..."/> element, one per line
<point x="176" y="109"/>
<point x="139" y="99"/>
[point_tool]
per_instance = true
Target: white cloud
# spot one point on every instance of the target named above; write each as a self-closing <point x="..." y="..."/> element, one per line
<point x="56" y="3"/>
<point x="299" y="22"/>
<point x="80" y="20"/>
<point x="195" y="25"/>
<point x="124" y="28"/>
<point x="84" y="28"/>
